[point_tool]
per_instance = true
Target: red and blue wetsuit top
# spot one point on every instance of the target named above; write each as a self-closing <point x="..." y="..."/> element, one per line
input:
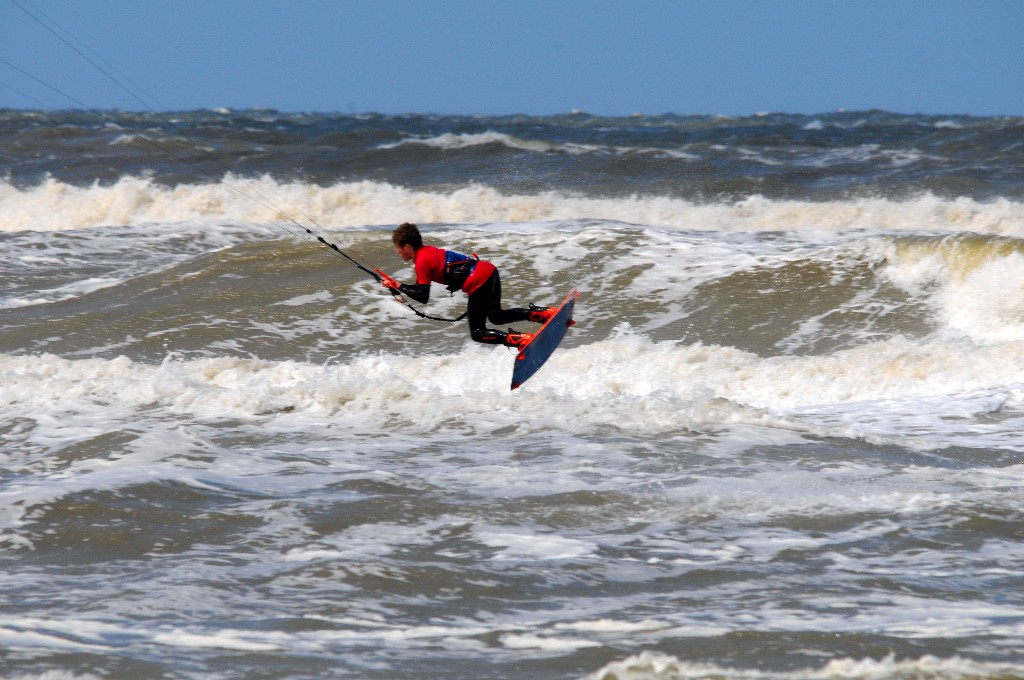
<point x="453" y="269"/>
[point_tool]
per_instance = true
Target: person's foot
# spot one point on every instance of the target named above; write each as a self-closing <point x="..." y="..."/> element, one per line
<point x="517" y="340"/>
<point x="541" y="314"/>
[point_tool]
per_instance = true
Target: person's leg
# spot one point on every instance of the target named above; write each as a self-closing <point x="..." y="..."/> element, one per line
<point x="503" y="316"/>
<point x="495" y="313"/>
<point x="484" y="303"/>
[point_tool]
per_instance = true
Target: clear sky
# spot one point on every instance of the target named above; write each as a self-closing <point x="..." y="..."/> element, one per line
<point x="606" y="57"/>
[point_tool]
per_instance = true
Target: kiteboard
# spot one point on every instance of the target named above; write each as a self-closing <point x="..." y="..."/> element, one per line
<point x="544" y="342"/>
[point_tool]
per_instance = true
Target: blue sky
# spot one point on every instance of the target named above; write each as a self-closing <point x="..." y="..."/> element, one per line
<point x="606" y="57"/>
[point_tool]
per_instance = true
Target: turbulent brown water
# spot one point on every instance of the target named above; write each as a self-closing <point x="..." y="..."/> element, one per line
<point x="782" y="441"/>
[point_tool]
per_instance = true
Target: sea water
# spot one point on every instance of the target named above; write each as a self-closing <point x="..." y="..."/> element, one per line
<point x="782" y="441"/>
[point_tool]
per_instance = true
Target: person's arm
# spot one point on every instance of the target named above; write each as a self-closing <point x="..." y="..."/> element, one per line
<point x="427" y="261"/>
<point x="420" y="292"/>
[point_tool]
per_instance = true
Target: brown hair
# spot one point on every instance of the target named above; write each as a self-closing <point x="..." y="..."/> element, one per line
<point x="407" y="234"/>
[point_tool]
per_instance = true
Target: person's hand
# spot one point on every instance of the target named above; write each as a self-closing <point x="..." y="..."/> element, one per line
<point x="389" y="283"/>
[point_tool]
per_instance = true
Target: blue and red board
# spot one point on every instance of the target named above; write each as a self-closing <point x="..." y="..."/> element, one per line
<point x="533" y="355"/>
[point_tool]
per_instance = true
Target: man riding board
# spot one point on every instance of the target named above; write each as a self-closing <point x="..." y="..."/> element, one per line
<point x="477" y="278"/>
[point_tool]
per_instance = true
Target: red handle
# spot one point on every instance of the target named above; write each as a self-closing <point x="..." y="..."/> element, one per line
<point x="387" y="281"/>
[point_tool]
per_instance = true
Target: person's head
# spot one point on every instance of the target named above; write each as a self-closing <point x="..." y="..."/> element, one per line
<point x="407" y="240"/>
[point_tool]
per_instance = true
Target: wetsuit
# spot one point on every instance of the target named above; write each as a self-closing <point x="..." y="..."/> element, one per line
<point x="477" y="278"/>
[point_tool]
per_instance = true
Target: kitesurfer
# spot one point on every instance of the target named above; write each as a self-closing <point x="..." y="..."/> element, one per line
<point x="477" y="278"/>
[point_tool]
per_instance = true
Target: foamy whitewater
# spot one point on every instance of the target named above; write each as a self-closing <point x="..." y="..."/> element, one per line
<point x="782" y="441"/>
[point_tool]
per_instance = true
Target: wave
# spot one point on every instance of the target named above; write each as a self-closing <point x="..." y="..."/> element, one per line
<point x="972" y="282"/>
<point x="654" y="666"/>
<point x="793" y="293"/>
<point x="896" y="391"/>
<point x="452" y="141"/>
<point x="58" y="206"/>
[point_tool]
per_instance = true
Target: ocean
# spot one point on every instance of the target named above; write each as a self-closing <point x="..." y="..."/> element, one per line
<point x="783" y="440"/>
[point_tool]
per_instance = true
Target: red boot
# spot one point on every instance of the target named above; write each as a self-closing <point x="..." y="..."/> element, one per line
<point x="541" y="314"/>
<point x="518" y="340"/>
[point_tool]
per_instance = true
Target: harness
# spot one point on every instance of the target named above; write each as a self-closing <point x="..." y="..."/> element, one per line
<point x="457" y="268"/>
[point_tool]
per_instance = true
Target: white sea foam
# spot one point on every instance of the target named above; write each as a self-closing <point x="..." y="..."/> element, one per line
<point x="654" y="666"/>
<point x="54" y="675"/>
<point x="38" y="634"/>
<point x="867" y="153"/>
<point x="55" y="206"/>
<point x="977" y="289"/>
<point x="461" y="141"/>
<point x="899" y="389"/>
<point x="464" y="140"/>
<point x="522" y="546"/>
<point x="15" y="638"/>
<point x="221" y="639"/>
<point x="546" y="644"/>
<point x="65" y="292"/>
